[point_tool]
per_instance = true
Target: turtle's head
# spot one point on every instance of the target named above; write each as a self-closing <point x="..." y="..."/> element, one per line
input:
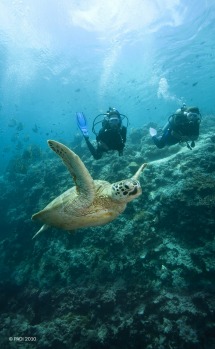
<point x="126" y="190"/>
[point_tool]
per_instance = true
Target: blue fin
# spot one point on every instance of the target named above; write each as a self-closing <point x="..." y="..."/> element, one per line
<point x="82" y="123"/>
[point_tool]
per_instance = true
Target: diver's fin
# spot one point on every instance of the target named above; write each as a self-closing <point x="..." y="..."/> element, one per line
<point x="152" y="131"/>
<point x="82" y="123"/>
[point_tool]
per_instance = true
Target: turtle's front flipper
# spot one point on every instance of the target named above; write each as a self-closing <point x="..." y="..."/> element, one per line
<point x="138" y="173"/>
<point x="81" y="176"/>
<point x="44" y="227"/>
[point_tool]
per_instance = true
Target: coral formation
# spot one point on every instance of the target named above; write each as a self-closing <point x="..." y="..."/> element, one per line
<point x="145" y="280"/>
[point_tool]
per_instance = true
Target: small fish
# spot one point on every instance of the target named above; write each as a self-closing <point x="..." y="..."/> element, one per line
<point x="12" y="123"/>
<point x="195" y="83"/>
<point x="20" y="126"/>
<point x="35" y="128"/>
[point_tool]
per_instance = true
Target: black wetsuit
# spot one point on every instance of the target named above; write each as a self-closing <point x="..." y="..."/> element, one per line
<point x="108" y="139"/>
<point x="173" y="134"/>
<point x="166" y="139"/>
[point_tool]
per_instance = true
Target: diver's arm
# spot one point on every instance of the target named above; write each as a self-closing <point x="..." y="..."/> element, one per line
<point x="123" y="133"/>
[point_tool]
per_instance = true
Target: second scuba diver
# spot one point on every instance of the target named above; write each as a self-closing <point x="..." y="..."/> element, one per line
<point x="182" y="126"/>
<point x="112" y="135"/>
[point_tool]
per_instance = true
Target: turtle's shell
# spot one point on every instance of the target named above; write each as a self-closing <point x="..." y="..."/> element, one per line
<point x="90" y="202"/>
<point x="68" y="211"/>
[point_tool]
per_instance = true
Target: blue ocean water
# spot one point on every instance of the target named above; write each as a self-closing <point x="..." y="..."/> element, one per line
<point x="146" y="280"/>
<point x="57" y="57"/>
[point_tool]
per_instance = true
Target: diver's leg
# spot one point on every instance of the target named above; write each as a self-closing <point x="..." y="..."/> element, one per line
<point x="159" y="141"/>
<point x="166" y="139"/>
<point x="96" y="153"/>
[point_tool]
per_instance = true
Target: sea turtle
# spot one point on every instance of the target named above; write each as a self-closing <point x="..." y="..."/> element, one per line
<point x="90" y="202"/>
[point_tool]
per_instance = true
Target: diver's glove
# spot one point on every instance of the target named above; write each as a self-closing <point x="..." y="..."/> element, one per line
<point x="82" y="124"/>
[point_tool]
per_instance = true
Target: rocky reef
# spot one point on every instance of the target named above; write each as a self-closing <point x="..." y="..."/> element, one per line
<point x="145" y="280"/>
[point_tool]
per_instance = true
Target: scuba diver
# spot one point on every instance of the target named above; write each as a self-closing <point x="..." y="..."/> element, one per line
<point x="112" y="135"/>
<point x="182" y="126"/>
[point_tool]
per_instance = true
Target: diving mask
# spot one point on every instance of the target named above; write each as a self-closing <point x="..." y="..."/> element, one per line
<point x="114" y="121"/>
<point x="193" y="116"/>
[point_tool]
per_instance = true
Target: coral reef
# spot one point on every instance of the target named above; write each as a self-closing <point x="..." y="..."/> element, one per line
<point x="145" y="280"/>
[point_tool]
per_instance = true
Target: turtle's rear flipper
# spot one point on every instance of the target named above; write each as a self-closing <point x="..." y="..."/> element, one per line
<point x="44" y="227"/>
<point x="138" y="173"/>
